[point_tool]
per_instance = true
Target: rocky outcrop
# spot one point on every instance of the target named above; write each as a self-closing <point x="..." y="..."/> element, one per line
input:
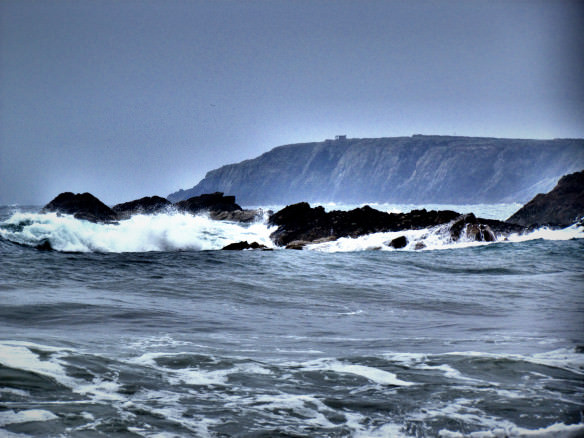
<point x="244" y="244"/>
<point x="300" y="222"/>
<point x="561" y="207"/>
<point x="81" y="206"/>
<point x="213" y="202"/>
<point x="418" y="169"/>
<point x="398" y="242"/>
<point x="146" y="205"/>
<point x="300" y="225"/>
<point x="86" y="206"/>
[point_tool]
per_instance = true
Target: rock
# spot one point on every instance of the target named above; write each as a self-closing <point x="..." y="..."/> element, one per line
<point x="81" y="206"/>
<point x="561" y="207"/>
<point x="297" y="244"/>
<point x="325" y="239"/>
<point x="398" y="242"/>
<point x="238" y="246"/>
<point x="44" y="245"/>
<point x="480" y="230"/>
<point x="244" y="216"/>
<point x="146" y="205"/>
<point x="301" y="222"/>
<point x="213" y="202"/>
<point x="419" y="246"/>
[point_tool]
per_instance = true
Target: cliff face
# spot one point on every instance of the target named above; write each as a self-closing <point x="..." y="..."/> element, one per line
<point x="563" y="206"/>
<point x="417" y="169"/>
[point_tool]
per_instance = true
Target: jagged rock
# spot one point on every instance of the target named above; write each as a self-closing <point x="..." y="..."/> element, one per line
<point x="561" y="207"/>
<point x="481" y="230"/>
<point x="146" y="205"/>
<point x="244" y="216"/>
<point x="419" y="245"/>
<point x="238" y="246"/>
<point x="297" y="244"/>
<point x="213" y="202"/>
<point x="398" y="242"/>
<point x="81" y="206"/>
<point x="301" y="222"/>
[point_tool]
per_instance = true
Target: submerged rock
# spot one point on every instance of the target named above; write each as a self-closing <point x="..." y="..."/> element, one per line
<point x="398" y="242"/>
<point x="146" y="205"/>
<point x="81" y="206"/>
<point x="561" y="207"/>
<point x="244" y="244"/>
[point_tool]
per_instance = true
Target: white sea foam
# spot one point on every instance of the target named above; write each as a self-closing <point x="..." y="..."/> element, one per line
<point x="375" y="375"/>
<point x="558" y="430"/>
<point x="437" y="238"/>
<point x="26" y="416"/>
<point x="175" y="231"/>
<point x="22" y="358"/>
<point x="161" y="232"/>
<point x="562" y="358"/>
<point x="18" y="355"/>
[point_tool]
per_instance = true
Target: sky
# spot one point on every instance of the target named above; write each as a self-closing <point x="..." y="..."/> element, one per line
<point x="126" y="99"/>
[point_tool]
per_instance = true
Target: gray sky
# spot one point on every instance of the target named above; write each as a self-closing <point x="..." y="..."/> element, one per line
<point x="132" y="98"/>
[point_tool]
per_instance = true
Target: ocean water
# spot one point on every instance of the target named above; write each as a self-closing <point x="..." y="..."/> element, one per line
<point x="145" y="329"/>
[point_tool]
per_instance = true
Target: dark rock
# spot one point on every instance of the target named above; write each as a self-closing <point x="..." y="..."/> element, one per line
<point x="297" y="244"/>
<point x="44" y="245"/>
<point x="399" y="242"/>
<point x="213" y="202"/>
<point x="146" y="205"/>
<point x="481" y="230"/>
<point x="238" y="246"/>
<point x="419" y="245"/>
<point x="244" y="216"/>
<point x="81" y="206"/>
<point x="561" y="207"/>
<point x="301" y="222"/>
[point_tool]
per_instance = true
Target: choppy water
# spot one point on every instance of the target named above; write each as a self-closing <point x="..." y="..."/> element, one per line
<point x="457" y="340"/>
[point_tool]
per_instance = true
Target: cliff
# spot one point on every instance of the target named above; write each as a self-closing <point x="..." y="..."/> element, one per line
<point x="563" y="206"/>
<point x="417" y="169"/>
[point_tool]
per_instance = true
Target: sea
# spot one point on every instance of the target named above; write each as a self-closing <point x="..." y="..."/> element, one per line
<point x="145" y="328"/>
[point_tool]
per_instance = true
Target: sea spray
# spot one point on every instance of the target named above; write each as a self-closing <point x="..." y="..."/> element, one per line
<point x="140" y="233"/>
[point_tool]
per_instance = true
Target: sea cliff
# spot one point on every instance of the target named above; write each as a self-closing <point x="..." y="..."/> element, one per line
<point x="417" y="169"/>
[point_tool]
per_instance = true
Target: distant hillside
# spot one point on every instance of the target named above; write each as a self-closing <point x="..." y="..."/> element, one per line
<point x="417" y="169"/>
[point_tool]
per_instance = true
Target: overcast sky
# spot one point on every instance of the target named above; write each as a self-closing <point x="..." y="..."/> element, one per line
<point x="132" y="98"/>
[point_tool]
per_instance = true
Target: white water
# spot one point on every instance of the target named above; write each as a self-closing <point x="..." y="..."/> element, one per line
<point x="182" y="231"/>
<point x="140" y="233"/>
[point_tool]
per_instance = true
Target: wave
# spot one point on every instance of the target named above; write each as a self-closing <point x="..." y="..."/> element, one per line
<point x="175" y="231"/>
<point x="161" y="385"/>
<point x="140" y="233"/>
<point x="438" y="238"/>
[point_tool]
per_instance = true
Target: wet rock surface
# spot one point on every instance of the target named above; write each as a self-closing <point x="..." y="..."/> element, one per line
<point x="81" y="206"/>
<point x="146" y="205"/>
<point x="561" y="207"/>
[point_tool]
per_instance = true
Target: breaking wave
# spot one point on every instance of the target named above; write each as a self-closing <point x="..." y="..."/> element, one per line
<point x="183" y="232"/>
<point x="140" y="233"/>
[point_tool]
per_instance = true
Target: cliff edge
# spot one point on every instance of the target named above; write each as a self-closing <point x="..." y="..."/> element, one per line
<point x="417" y="169"/>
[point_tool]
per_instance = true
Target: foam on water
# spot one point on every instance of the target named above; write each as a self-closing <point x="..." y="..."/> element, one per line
<point x="375" y="375"/>
<point x="140" y="233"/>
<point x="437" y="238"/>
<point x="558" y="430"/>
<point x="175" y="231"/>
